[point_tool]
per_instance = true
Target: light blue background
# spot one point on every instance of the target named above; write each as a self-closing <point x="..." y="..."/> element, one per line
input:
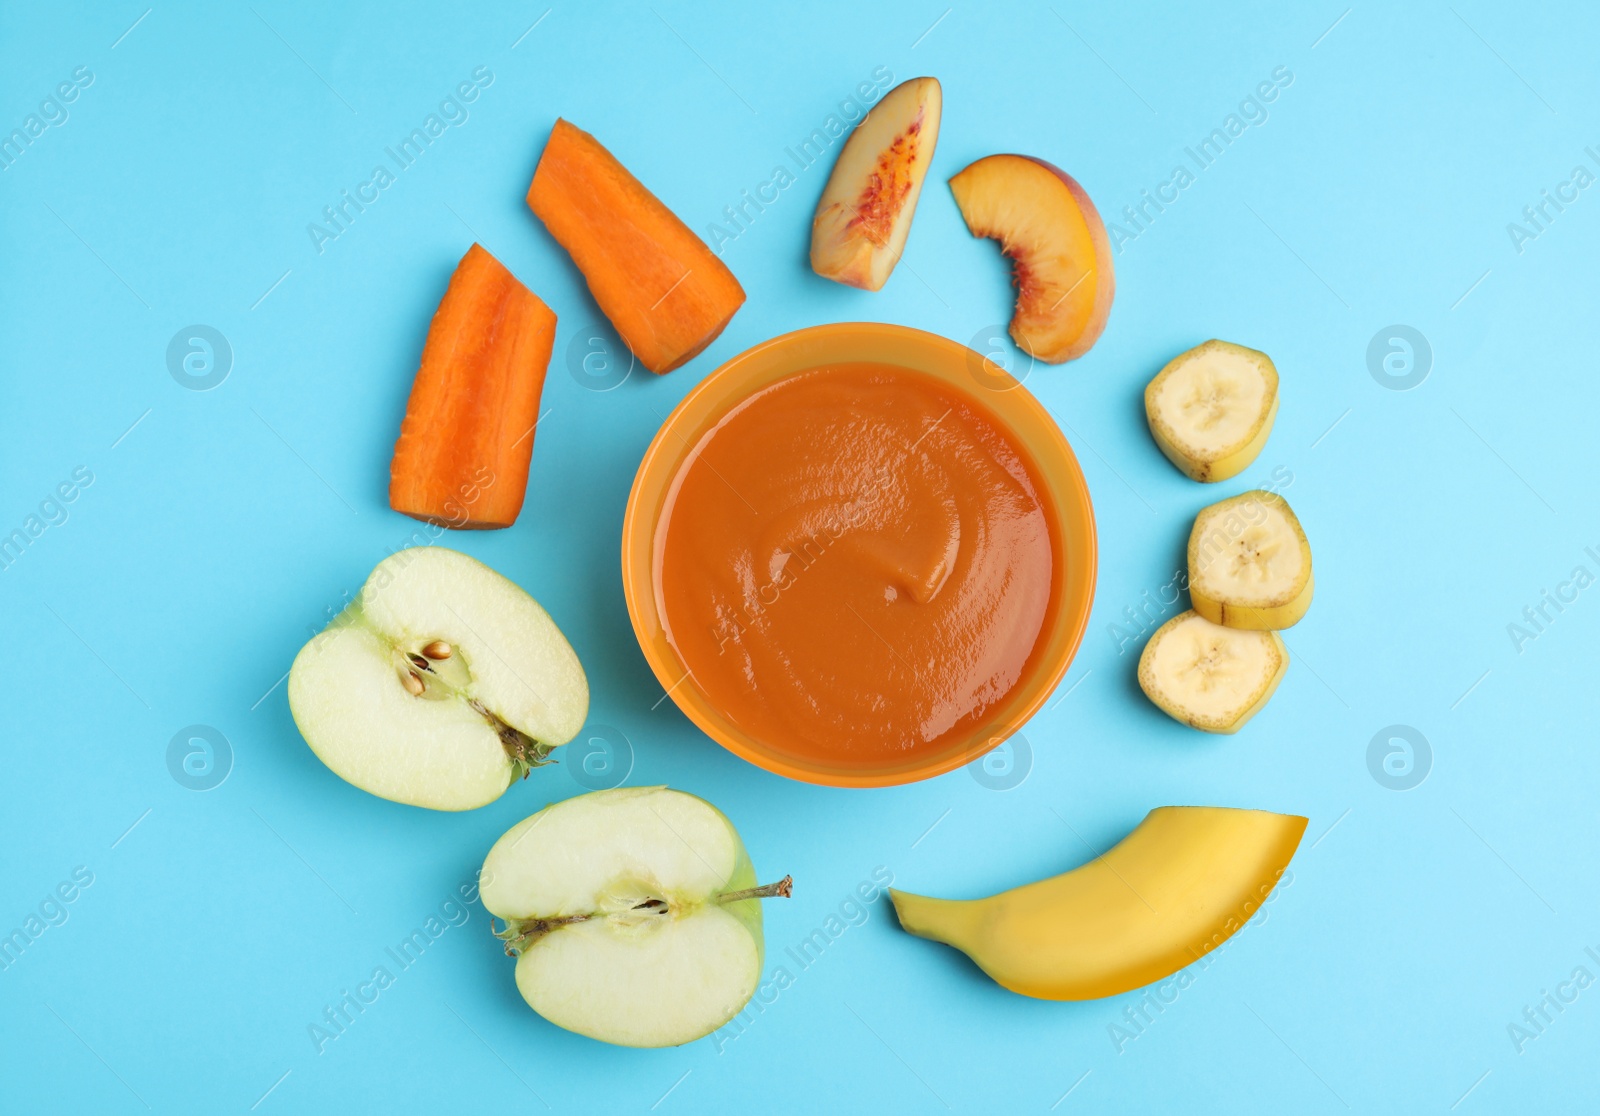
<point x="217" y="533"/>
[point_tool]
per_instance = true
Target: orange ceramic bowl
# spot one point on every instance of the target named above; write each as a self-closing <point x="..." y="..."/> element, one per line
<point x="958" y="368"/>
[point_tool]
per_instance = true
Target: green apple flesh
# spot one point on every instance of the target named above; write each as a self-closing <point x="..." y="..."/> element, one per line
<point x="440" y="685"/>
<point x="633" y="914"/>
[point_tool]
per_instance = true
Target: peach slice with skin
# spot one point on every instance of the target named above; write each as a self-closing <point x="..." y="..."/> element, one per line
<point x="1052" y="233"/>
<point x="865" y="212"/>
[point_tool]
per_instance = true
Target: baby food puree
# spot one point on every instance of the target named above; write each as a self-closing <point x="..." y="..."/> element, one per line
<point x="855" y="563"/>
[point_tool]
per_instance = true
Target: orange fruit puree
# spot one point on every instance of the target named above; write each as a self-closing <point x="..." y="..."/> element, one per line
<point x="855" y="563"/>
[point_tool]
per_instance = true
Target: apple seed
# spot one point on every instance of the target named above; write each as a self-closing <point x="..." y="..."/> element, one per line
<point x="438" y="649"/>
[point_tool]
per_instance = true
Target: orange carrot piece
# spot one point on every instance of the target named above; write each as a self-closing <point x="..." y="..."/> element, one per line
<point x="462" y="457"/>
<point x="664" y="290"/>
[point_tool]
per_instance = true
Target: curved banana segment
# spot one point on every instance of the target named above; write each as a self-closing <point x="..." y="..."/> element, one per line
<point x="1210" y="677"/>
<point x="1174" y="889"/>
<point x="1211" y="408"/>
<point x="1250" y="563"/>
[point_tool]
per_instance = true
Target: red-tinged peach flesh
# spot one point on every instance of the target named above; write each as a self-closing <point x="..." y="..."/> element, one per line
<point x="1061" y="256"/>
<point x="866" y="210"/>
<point x="888" y="186"/>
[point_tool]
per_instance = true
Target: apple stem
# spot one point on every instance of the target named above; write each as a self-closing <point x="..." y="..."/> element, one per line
<point x="783" y="889"/>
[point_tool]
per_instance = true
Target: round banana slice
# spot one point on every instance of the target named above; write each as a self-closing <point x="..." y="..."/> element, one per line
<point x="1211" y="408"/>
<point x="1250" y="563"/>
<point x="1210" y="677"/>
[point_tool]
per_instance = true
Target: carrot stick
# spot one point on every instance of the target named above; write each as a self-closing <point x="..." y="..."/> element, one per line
<point x="665" y="291"/>
<point x="462" y="457"/>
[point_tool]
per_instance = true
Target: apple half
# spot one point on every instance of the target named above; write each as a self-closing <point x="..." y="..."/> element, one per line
<point x="440" y="685"/>
<point x="1060" y="254"/>
<point x="633" y="914"/>
<point x="866" y="209"/>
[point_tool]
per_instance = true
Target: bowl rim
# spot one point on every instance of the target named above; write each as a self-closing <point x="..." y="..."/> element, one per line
<point x="638" y="544"/>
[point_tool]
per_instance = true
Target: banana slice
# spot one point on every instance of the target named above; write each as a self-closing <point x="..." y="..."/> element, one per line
<point x="1211" y="408"/>
<point x="1210" y="677"/>
<point x="1250" y="563"/>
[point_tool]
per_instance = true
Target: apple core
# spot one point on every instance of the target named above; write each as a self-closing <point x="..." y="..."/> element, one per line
<point x="439" y="685"/>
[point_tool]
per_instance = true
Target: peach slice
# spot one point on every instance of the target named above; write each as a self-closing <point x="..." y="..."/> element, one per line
<point x="1051" y="231"/>
<point x="865" y="212"/>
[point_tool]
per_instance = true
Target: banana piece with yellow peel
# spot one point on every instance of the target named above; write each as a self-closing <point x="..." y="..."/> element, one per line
<point x="1182" y="883"/>
<point x="1250" y="563"/>
<point x="1210" y="409"/>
